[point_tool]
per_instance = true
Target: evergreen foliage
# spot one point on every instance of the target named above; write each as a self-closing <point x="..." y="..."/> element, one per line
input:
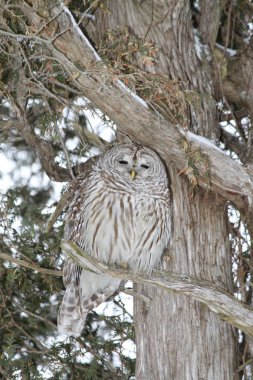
<point x="30" y="345"/>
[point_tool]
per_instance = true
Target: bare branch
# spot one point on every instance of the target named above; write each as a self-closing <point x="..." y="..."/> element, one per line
<point x="226" y="306"/>
<point x="209" y="21"/>
<point x="4" y="373"/>
<point x="29" y="265"/>
<point x="61" y="206"/>
<point x="33" y="314"/>
<point x="64" y="150"/>
<point x="43" y="149"/>
<point x="232" y="142"/>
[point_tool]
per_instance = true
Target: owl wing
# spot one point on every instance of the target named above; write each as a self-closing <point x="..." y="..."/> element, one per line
<point x="70" y="316"/>
<point x="71" y="272"/>
<point x="84" y="290"/>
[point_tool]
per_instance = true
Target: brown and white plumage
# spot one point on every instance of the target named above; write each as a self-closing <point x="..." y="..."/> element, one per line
<point x="118" y="213"/>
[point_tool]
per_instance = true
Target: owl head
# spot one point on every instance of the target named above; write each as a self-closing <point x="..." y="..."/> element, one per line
<point x="135" y="163"/>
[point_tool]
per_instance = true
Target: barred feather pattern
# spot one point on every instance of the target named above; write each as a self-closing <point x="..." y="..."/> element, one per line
<point x="119" y="213"/>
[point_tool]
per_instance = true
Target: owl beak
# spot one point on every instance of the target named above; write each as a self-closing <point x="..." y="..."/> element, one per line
<point x="133" y="173"/>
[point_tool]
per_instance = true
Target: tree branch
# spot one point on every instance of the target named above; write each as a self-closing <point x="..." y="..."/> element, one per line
<point x="233" y="143"/>
<point x="32" y="266"/>
<point x="237" y="85"/>
<point x="226" y="306"/>
<point x="43" y="149"/>
<point x="100" y="85"/>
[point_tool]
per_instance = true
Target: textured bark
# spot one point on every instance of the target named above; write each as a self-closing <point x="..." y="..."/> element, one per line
<point x="209" y="21"/>
<point x="178" y="338"/>
<point x="238" y="85"/>
<point x="168" y="25"/>
<point x="191" y="340"/>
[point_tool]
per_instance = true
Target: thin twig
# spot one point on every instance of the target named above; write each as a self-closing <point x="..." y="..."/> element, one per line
<point x="4" y="373"/>
<point x="64" y="150"/>
<point x="34" y="267"/>
<point x="61" y="206"/>
<point x="33" y="314"/>
<point x="40" y="84"/>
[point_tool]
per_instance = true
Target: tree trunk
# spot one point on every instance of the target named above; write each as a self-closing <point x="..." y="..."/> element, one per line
<point x="176" y="337"/>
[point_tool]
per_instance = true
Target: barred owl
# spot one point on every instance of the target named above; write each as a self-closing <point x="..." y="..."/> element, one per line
<point x="118" y="213"/>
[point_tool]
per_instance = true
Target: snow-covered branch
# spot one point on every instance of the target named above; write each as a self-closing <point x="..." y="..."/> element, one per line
<point x="102" y="88"/>
<point x="227" y="307"/>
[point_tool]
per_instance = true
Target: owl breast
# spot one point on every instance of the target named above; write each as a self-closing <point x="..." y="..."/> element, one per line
<point x="123" y="227"/>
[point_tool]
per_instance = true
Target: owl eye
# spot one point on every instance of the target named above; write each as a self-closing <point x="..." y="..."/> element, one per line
<point x="123" y="162"/>
<point x="144" y="166"/>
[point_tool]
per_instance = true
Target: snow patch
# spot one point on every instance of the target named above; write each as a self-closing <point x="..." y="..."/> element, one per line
<point x="79" y="31"/>
<point x="201" y="140"/>
<point x="231" y="52"/>
<point x="133" y="94"/>
<point x="201" y="49"/>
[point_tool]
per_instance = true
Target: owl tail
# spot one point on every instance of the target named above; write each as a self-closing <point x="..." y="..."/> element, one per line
<point x="71" y="319"/>
<point x="78" y="301"/>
